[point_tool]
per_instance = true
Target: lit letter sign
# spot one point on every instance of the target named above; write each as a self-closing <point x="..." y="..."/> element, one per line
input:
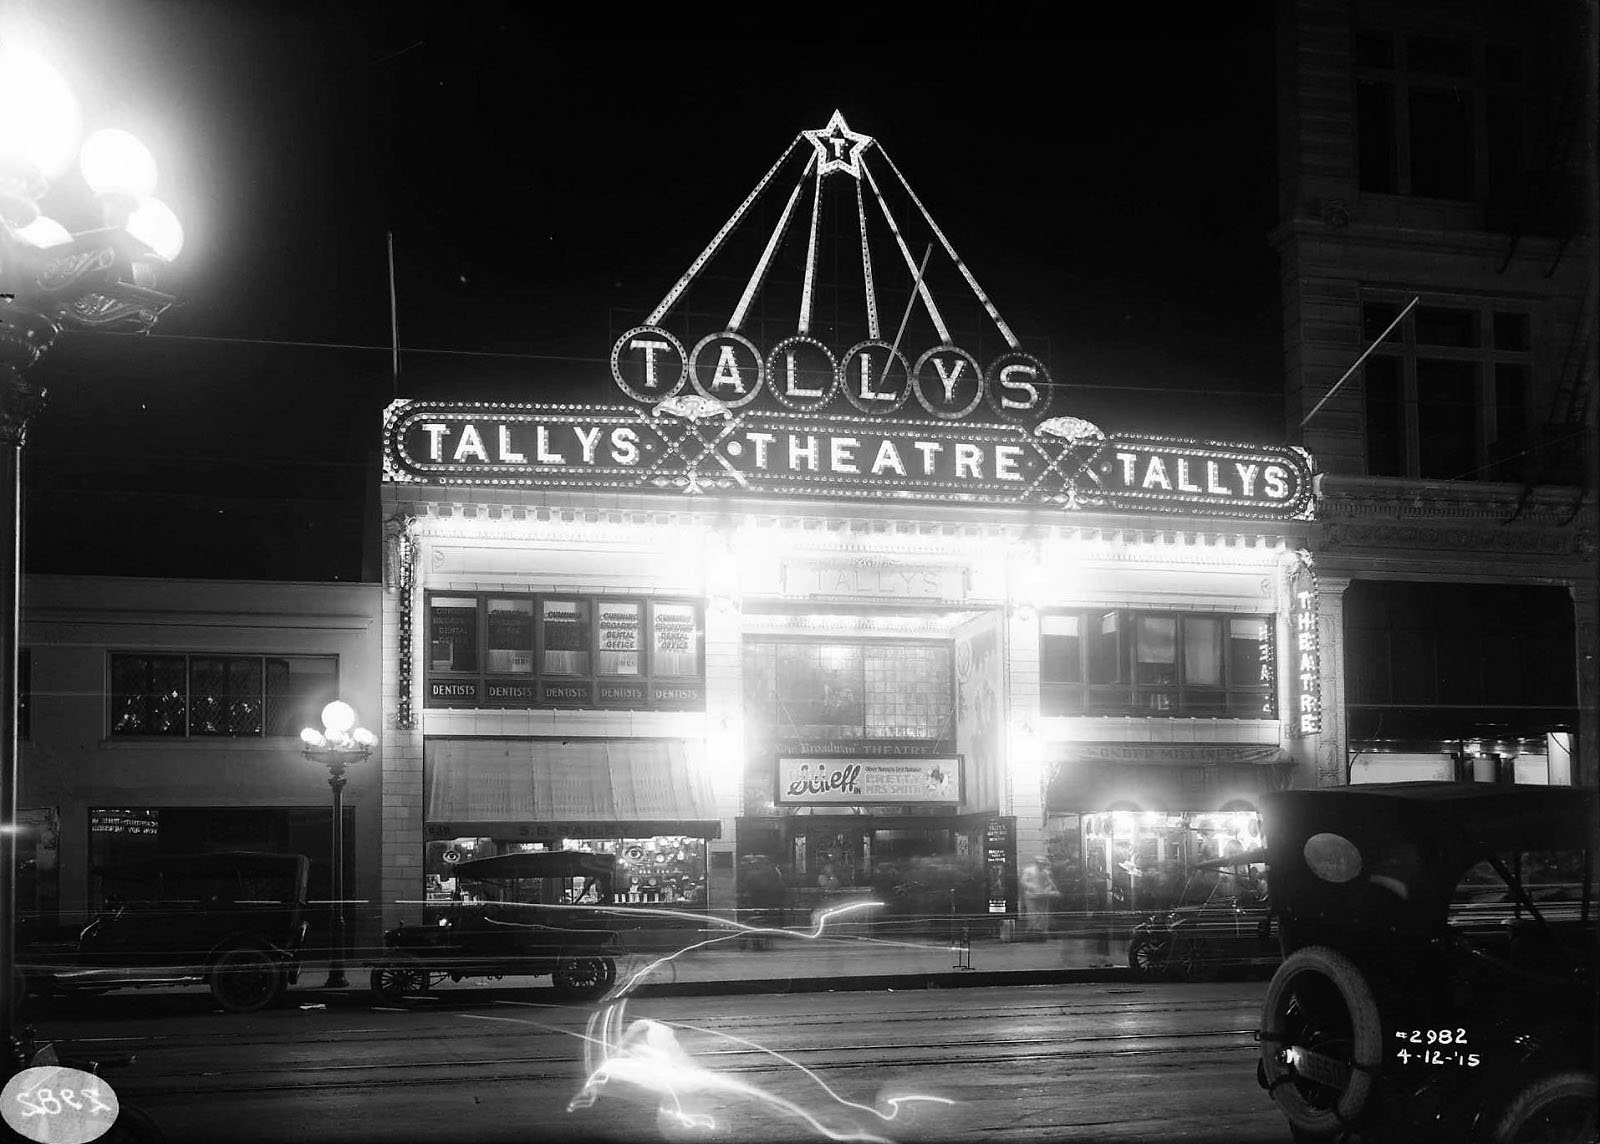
<point x="696" y="445"/>
<point x="1304" y="716"/>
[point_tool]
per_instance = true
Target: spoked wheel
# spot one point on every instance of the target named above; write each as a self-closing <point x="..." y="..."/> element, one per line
<point x="247" y="979"/>
<point x="585" y="978"/>
<point x="1555" y="1109"/>
<point x="403" y="979"/>
<point x="1321" y="1041"/>
<point x="1147" y="957"/>
<point x="1189" y="960"/>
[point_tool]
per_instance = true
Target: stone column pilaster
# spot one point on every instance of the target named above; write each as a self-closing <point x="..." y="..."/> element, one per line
<point x="402" y="791"/>
<point x="1023" y="792"/>
<point x="1586" y="617"/>
<point x="1330" y="747"/>
<point x="724" y="751"/>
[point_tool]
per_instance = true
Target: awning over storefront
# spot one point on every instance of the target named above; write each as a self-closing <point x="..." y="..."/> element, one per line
<point x="1171" y="777"/>
<point x="541" y="789"/>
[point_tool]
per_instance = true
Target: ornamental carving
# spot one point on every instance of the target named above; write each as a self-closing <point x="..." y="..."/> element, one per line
<point x="1525" y="541"/>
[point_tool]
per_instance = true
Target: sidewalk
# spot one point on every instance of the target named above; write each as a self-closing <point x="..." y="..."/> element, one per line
<point x="798" y="963"/>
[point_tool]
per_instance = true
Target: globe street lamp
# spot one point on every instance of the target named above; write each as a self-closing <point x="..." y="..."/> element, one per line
<point x="337" y="745"/>
<point x="51" y="280"/>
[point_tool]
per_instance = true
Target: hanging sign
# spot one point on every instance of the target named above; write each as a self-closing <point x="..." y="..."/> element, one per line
<point x="695" y="445"/>
<point x="1305" y="690"/>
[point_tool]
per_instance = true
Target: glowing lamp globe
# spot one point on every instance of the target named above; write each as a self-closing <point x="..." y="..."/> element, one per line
<point x="312" y="738"/>
<point x="43" y="232"/>
<point x="114" y="162"/>
<point x="39" y="122"/>
<point x="338" y="717"/>
<point x="364" y="737"/>
<point x="153" y="223"/>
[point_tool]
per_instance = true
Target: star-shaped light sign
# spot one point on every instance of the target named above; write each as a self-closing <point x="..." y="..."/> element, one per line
<point x="838" y="147"/>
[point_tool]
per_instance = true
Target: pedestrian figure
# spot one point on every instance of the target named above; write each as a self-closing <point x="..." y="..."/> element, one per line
<point x="1038" y="894"/>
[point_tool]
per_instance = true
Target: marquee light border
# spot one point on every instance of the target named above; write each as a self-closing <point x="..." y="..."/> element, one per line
<point x="685" y="445"/>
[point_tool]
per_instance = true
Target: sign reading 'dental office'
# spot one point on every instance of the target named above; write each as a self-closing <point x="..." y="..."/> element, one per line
<point x="702" y="448"/>
<point x="851" y="781"/>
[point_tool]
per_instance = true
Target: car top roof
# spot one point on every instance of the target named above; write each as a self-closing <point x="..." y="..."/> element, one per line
<point x="1494" y="814"/>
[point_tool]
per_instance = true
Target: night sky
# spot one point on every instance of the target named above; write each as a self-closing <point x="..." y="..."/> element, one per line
<point x="1109" y="184"/>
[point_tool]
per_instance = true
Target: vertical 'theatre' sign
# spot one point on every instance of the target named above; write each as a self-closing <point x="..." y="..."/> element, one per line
<point x="1305" y="712"/>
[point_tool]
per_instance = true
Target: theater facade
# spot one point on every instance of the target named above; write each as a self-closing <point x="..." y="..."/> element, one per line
<point x="872" y="604"/>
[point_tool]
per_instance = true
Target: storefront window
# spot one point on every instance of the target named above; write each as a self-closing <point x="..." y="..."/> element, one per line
<point x="1143" y="860"/>
<point x="801" y="689"/>
<point x="1181" y="664"/>
<point x="566" y="637"/>
<point x="620" y="643"/>
<point x="510" y="644"/>
<point x="453" y="634"/>
<point x="662" y="870"/>
<point x="675" y="639"/>
<point x="215" y="695"/>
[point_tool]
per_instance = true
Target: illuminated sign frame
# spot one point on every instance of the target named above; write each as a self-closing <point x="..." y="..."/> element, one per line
<point x="842" y="780"/>
<point x="1305" y="673"/>
<point x="695" y="445"/>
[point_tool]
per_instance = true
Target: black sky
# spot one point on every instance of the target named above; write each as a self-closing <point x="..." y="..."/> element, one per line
<point x="1110" y="184"/>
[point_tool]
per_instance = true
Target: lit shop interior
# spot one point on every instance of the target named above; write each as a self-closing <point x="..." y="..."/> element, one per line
<point x="1139" y="860"/>
<point x="663" y="870"/>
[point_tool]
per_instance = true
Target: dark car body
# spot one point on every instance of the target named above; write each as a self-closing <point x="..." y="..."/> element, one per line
<point x="541" y="913"/>
<point x="235" y="921"/>
<point x="1221" y="921"/>
<point x="1440" y="969"/>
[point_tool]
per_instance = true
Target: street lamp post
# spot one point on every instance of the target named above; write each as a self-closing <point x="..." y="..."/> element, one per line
<point x="336" y="746"/>
<point x="52" y="280"/>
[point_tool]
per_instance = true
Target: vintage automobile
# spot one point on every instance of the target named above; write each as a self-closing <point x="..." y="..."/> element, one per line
<point x="1440" y="963"/>
<point x="1220" y="921"/>
<point x="234" y="921"/>
<point x="518" y="915"/>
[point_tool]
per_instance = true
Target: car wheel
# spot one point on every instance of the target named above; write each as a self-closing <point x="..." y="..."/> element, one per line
<point x="585" y="978"/>
<point x="1189" y="961"/>
<point x="247" y="979"/>
<point x="1554" y="1109"/>
<point x="1147" y="957"/>
<point x="402" y="978"/>
<point x="1321" y="1041"/>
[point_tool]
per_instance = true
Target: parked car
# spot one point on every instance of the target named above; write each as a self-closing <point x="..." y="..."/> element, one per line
<point x="1221" y="920"/>
<point x="519" y="915"/>
<point x="1441" y="963"/>
<point x="234" y="921"/>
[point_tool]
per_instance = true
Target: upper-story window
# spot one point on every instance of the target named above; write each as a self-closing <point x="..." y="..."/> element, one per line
<point x="1447" y="392"/>
<point x="1116" y="662"/>
<point x="219" y="695"/>
<point x="1440" y="116"/>
<point x="493" y="650"/>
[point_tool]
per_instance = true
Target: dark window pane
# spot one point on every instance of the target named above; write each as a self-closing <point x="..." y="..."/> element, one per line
<point x="1375" y="138"/>
<point x="566" y="637"/>
<point x="1510" y="401"/>
<point x="1258" y="703"/>
<point x="1413" y="666"/>
<point x="1158" y="650"/>
<point x="1246" y="653"/>
<point x="1437" y="327"/>
<point x="1447" y="420"/>
<point x="1502" y="63"/>
<point x="509" y="649"/>
<point x="1105" y="664"/>
<point x="1202" y="651"/>
<point x="1386" y="438"/>
<point x="1374" y="49"/>
<point x="453" y="634"/>
<point x="224" y="695"/>
<point x="1435" y="55"/>
<point x="1061" y="648"/>
<point x="1368" y="673"/>
<point x="1511" y="332"/>
<point x="148" y="694"/>
<point x="1508" y="182"/>
<point x="1441" y="144"/>
<point x="1375" y="319"/>
<point x="298" y="688"/>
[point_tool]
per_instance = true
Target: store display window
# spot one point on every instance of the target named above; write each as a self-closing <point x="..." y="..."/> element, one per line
<point x="510" y="632"/>
<point x="1141" y="860"/>
<point x="453" y="634"/>
<point x="667" y="870"/>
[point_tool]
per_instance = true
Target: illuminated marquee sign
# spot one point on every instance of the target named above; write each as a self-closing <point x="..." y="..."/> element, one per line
<point x="848" y="781"/>
<point x="692" y="445"/>
<point x="1305" y="707"/>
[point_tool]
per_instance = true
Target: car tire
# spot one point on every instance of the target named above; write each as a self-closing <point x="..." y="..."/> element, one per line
<point x="247" y="979"/>
<point x="1559" y="1108"/>
<point x="1149" y="957"/>
<point x="1358" y="1040"/>
<point x="585" y="978"/>
<point x="1187" y="961"/>
<point x="400" y="979"/>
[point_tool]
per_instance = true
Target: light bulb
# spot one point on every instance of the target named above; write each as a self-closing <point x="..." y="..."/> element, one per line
<point x="43" y="232"/>
<point x="311" y="737"/>
<point x="338" y="717"/>
<point x="364" y="737"/>
<point x="38" y="114"/>
<point x="153" y="223"/>
<point x="114" y="162"/>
